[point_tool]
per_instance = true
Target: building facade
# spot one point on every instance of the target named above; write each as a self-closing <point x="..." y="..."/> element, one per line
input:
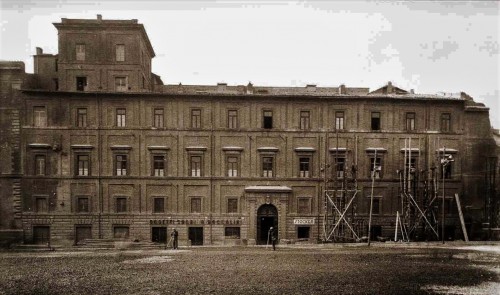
<point x="106" y="151"/>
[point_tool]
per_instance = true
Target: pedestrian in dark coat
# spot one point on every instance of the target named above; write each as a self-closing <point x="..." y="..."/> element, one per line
<point x="175" y="236"/>
<point x="273" y="237"/>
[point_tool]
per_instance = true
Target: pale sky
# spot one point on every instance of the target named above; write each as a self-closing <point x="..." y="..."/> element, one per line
<point x="429" y="46"/>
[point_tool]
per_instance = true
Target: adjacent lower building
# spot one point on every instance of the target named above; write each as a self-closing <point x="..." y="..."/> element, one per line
<point x="103" y="150"/>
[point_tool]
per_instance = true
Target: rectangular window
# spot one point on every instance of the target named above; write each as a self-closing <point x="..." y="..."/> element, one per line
<point x="339" y="120"/>
<point x="81" y="83"/>
<point x="305" y="120"/>
<point x="339" y="166"/>
<point x="83" y="165"/>
<point x="410" y="121"/>
<point x="375" y="120"/>
<point x="81" y="117"/>
<point x="41" y="204"/>
<point x="120" y="52"/>
<point x="39" y="116"/>
<point x="195" y="166"/>
<point x="158" y="118"/>
<point x="232" y="205"/>
<point x="446" y="168"/>
<point x="376" y="206"/>
<point x="232" y="232"/>
<point x="159" y="165"/>
<point x="267" y="122"/>
<point x="232" y="166"/>
<point x="121" y="116"/>
<point x="196" y="118"/>
<point x="121" y="232"/>
<point x="40" y="167"/>
<point x="121" y="84"/>
<point x="80" y="52"/>
<point x="303" y="205"/>
<point x="376" y="167"/>
<point x="448" y="205"/>
<point x="159" y="205"/>
<point x="445" y="122"/>
<point x="121" y="165"/>
<point x="195" y="205"/>
<point x="267" y="166"/>
<point x="232" y="119"/>
<point x="412" y="165"/>
<point x="82" y="204"/>
<point x="121" y="205"/>
<point x="304" y="167"/>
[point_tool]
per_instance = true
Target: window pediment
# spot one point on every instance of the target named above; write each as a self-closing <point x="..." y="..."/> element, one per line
<point x="196" y="148"/>
<point x="39" y="145"/>
<point x="305" y="149"/>
<point x="268" y="149"/>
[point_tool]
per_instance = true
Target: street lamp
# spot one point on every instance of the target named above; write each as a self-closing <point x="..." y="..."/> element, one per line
<point x="445" y="161"/>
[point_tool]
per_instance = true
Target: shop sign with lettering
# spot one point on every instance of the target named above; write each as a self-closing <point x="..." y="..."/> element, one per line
<point x="303" y="221"/>
<point x="195" y="221"/>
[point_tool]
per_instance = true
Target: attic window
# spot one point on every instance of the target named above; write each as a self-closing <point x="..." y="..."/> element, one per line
<point x="267" y="122"/>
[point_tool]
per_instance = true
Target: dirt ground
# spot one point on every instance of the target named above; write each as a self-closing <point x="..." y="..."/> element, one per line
<point x="316" y="269"/>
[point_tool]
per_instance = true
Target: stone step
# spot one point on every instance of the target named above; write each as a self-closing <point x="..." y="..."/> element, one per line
<point x="112" y="244"/>
<point x="36" y="247"/>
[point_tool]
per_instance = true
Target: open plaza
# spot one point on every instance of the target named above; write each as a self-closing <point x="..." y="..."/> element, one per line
<point x="382" y="268"/>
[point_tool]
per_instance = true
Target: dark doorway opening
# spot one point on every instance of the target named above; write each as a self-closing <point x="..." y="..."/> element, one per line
<point x="267" y="217"/>
<point x="159" y="234"/>
<point x="82" y="232"/>
<point x="196" y="236"/>
<point x="375" y="232"/>
<point x="303" y="232"/>
<point x="449" y="232"/>
<point x="41" y="234"/>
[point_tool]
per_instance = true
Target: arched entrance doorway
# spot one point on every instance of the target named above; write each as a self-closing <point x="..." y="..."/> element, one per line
<point x="267" y="216"/>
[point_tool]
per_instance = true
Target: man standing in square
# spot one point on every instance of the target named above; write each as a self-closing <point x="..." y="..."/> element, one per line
<point x="174" y="237"/>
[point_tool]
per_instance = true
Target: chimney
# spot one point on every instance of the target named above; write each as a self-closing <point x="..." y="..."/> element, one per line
<point x="39" y="51"/>
<point x="342" y="89"/>
<point x="389" y="87"/>
<point x="311" y="87"/>
<point x="221" y="87"/>
<point x="99" y="18"/>
<point x="250" y="88"/>
<point x="412" y="91"/>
